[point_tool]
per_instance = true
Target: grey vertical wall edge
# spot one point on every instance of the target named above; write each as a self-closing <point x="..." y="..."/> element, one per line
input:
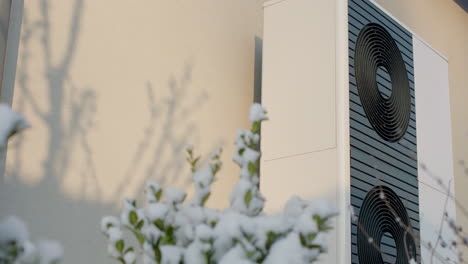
<point x="258" y="70"/>
<point x="11" y="58"/>
<point x="375" y="161"/>
<point x="11" y="61"/>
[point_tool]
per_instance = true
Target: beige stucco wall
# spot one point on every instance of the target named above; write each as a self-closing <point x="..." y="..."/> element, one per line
<point x="114" y="90"/>
<point x="444" y="25"/>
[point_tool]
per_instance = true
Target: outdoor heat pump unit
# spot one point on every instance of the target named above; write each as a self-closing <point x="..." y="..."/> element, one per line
<point x="359" y="115"/>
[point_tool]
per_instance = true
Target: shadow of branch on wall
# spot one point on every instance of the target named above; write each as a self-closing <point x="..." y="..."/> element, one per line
<point x="66" y="110"/>
<point x="166" y="134"/>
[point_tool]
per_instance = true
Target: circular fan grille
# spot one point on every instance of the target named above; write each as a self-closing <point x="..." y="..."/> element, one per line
<point x="379" y="216"/>
<point x="389" y="116"/>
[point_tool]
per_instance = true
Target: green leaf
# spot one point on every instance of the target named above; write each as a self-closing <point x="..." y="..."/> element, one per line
<point x="321" y="223"/>
<point x="213" y="223"/>
<point x="241" y="151"/>
<point x="121" y="260"/>
<point x="256" y="127"/>
<point x="140" y="237"/>
<point x="205" y="198"/>
<point x="312" y="236"/>
<point x="166" y="240"/>
<point x="248" y="198"/>
<point x="130" y="249"/>
<point x="14" y="251"/>
<point x="119" y="245"/>
<point x="252" y="168"/>
<point x="194" y="163"/>
<point x="159" y="224"/>
<point x="140" y="224"/>
<point x="250" y="254"/>
<point x="157" y="254"/>
<point x="169" y="230"/>
<point x="303" y="239"/>
<point x="158" y="195"/>
<point x="208" y="256"/>
<point x="133" y="217"/>
<point x="313" y="246"/>
<point x="271" y="237"/>
<point x="215" y="168"/>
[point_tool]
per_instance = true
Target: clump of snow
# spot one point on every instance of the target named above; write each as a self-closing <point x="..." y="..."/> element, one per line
<point x="235" y="255"/>
<point x="171" y="254"/>
<point x="50" y="251"/>
<point x="30" y="253"/>
<point x="115" y="234"/>
<point x="246" y="198"/>
<point x="15" y="246"/>
<point x="203" y="178"/>
<point x="321" y="208"/>
<point x="204" y="232"/>
<point x="151" y="233"/>
<point x="155" y="211"/>
<point x="175" y="196"/>
<point x="170" y="231"/>
<point x="290" y="250"/>
<point x="109" y="221"/>
<point x="305" y="226"/>
<point x="257" y="113"/>
<point x="10" y="123"/>
<point x="112" y="251"/>
<point x="195" y="253"/>
<point x="294" y="206"/>
<point x="189" y="147"/>
<point x="13" y="229"/>
<point x="129" y="257"/>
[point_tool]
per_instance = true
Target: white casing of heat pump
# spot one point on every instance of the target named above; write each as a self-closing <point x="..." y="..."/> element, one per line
<point x="305" y="145"/>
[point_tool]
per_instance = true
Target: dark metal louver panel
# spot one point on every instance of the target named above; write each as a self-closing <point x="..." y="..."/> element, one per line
<point x="383" y="127"/>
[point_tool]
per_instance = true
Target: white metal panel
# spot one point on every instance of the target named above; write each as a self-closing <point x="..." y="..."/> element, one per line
<point x="311" y="176"/>
<point x="343" y="226"/>
<point x="299" y="78"/>
<point x="299" y="142"/>
<point x="434" y="139"/>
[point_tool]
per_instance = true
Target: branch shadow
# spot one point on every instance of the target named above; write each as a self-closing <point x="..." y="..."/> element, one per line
<point x="69" y="117"/>
<point x="165" y="149"/>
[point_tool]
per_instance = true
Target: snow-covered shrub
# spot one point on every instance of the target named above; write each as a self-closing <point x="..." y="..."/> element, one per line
<point x="169" y="231"/>
<point x="16" y="248"/>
